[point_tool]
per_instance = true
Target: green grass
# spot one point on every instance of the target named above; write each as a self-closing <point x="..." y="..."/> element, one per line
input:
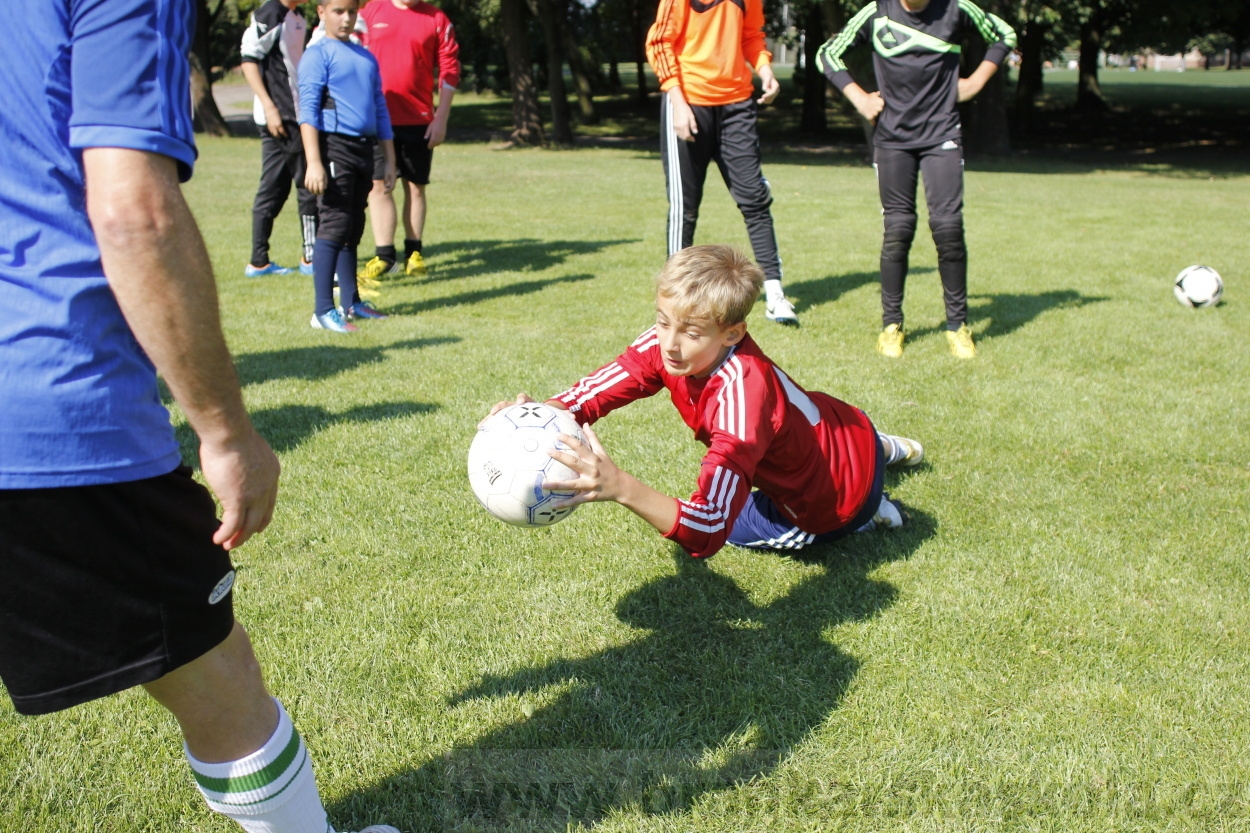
<point x="1058" y="641"/>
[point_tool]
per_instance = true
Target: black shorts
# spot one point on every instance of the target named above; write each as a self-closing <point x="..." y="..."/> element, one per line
<point x="413" y="155"/>
<point x="341" y="208"/>
<point x="106" y="587"/>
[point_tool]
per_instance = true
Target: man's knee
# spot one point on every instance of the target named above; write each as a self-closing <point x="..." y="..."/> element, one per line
<point x="900" y="231"/>
<point x="948" y="237"/>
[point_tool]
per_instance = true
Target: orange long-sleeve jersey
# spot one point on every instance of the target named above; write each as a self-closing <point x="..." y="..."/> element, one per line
<point x="708" y="49"/>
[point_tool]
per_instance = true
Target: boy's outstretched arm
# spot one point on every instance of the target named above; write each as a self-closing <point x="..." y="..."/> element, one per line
<point x="601" y="479"/>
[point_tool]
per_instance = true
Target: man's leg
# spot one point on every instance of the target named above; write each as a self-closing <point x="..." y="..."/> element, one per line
<point x="685" y="169"/>
<point x="896" y="181"/>
<point x="943" y="171"/>
<point x="414" y="166"/>
<point x="271" y="195"/>
<point x="382" y="215"/>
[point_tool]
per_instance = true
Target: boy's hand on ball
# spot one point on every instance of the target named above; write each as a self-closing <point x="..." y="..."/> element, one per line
<point x="521" y="399"/>
<point x="598" y="478"/>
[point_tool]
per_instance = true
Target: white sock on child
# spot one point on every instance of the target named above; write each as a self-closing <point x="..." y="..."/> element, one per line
<point x="772" y="289"/>
<point x="270" y="791"/>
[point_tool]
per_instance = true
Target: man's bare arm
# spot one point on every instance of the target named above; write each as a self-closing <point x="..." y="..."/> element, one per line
<point x="158" y="269"/>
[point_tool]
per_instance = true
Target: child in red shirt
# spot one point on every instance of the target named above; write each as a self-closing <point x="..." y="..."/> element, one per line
<point x="817" y="463"/>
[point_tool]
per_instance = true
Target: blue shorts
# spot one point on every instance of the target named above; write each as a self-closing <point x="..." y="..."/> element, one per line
<point x="762" y="526"/>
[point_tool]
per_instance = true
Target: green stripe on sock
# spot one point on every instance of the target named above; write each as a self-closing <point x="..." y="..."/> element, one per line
<point x="253" y="780"/>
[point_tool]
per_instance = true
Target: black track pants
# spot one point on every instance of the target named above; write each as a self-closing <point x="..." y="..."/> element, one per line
<point x="281" y="163"/>
<point x="943" y="169"/>
<point x="727" y="135"/>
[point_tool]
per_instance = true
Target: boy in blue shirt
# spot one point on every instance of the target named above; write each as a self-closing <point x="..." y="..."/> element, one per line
<point x="342" y="115"/>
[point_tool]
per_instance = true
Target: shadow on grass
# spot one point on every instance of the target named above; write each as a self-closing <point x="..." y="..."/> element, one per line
<point x="830" y="288"/>
<point x="472" y="258"/>
<point x="321" y="361"/>
<point x="477" y="296"/>
<point x="717" y="691"/>
<point x="287" y="426"/>
<point x="1008" y="312"/>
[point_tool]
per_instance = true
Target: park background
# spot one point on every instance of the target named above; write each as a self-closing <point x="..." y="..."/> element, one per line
<point x="1057" y="641"/>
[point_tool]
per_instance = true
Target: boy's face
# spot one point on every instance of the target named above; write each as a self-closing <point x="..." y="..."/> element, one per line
<point x="339" y="17"/>
<point x="692" y="348"/>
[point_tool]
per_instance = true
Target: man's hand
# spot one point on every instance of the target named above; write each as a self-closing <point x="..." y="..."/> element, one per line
<point x="684" y="124"/>
<point x="869" y="105"/>
<point x="243" y="473"/>
<point x="436" y="132"/>
<point x="273" y="121"/>
<point x="769" y="82"/>
<point x="315" y="178"/>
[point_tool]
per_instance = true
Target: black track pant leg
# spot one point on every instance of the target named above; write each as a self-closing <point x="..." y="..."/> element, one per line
<point x="685" y="169"/>
<point x="943" y="171"/>
<point x="897" y="172"/>
<point x="738" y="158"/>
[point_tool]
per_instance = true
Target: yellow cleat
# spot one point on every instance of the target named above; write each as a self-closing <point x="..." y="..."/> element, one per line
<point x="374" y="269"/>
<point x="416" y="266"/>
<point x="890" y="342"/>
<point x="960" y="342"/>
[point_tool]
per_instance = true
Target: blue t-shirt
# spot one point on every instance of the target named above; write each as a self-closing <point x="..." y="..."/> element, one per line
<point x="79" y="402"/>
<point x="340" y="90"/>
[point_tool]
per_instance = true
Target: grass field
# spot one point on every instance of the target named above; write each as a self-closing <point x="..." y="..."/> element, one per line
<point x="1057" y="642"/>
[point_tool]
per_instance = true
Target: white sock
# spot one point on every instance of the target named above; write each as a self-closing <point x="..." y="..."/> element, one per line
<point x="772" y="289"/>
<point x="894" y="450"/>
<point x="271" y="790"/>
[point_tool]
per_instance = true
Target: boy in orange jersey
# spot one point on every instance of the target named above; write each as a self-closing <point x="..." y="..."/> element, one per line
<point x="703" y="54"/>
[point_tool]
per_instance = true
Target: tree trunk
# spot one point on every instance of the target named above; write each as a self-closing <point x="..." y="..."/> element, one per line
<point x="640" y="59"/>
<point x="813" y="119"/>
<point x="205" y="116"/>
<point x="527" y="125"/>
<point x="581" y="75"/>
<point x="1029" y="85"/>
<point x="1088" y="91"/>
<point x="549" y="15"/>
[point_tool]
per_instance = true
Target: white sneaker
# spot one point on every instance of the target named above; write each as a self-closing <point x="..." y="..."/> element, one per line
<point x="915" y="451"/>
<point x="888" y="514"/>
<point x="781" y="310"/>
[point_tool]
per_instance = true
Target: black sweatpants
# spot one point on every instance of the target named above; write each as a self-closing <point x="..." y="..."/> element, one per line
<point x="727" y="135"/>
<point x="281" y="163"/>
<point x="943" y="169"/>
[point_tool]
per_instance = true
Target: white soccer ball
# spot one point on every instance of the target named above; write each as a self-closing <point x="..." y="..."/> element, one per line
<point x="1198" y="286"/>
<point x="508" y="464"/>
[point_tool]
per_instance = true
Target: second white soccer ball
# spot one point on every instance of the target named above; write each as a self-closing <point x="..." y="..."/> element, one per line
<point x="508" y="464"/>
<point x="1198" y="286"/>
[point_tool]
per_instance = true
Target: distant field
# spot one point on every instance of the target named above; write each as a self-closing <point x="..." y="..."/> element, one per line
<point x="1058" y="641"/>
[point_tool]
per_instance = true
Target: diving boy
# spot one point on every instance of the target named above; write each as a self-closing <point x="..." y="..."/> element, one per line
<point x="817" y="463"/>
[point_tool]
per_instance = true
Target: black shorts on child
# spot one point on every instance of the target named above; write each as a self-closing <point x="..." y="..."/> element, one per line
<point x="107" y="587"/>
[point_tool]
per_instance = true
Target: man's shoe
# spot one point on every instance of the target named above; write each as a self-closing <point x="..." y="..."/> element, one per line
<point x="781" y="310"/>
<point x="416" y="266"/>
<point x="266" y="270"/>
<point x="305" y="267"/>
<point x="364" y="309"/>
<point x="375" y="268"/>
<point x="332" y="321"/>
<point x="960" y="342"/>
<point x="890" y="342"/>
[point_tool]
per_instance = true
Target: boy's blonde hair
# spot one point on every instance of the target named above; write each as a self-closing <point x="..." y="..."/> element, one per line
<point x="713" y="283"/>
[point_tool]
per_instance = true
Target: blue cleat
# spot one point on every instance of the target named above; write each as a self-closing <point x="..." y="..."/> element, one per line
<point x="268" y="269"/>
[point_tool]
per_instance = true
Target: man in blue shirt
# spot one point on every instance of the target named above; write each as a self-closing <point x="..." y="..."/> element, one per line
<point x="114" y="570"/>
